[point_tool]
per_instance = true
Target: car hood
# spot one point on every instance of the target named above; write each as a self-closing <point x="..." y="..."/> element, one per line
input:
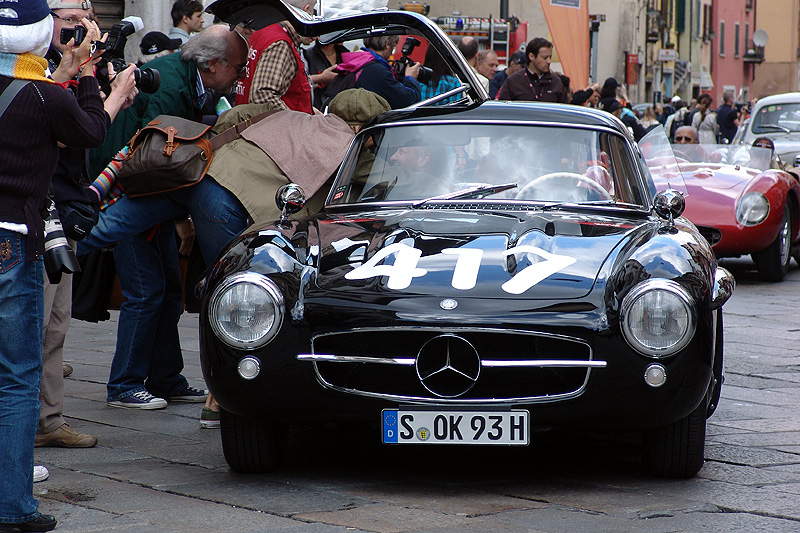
<point x="447" y="254"/>
<point x="710" y="176"/>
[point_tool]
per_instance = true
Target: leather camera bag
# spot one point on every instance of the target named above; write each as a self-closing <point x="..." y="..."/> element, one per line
<point x="167" y="154"/>
<point x="172" y="152"/>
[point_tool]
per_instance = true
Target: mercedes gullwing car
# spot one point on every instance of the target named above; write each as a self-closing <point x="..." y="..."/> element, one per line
<point x="480" y="270"/>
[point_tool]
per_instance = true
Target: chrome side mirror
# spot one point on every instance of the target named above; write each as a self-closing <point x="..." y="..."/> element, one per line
<point x="669" y="204"/>
<point x="290" y="199"/>
<point x="796" y="161"/>
<point x="724" y="285"/>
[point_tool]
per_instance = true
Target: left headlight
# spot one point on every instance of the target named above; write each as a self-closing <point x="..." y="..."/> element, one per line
<point x="246" y="310"/>
<point x="658" y="318"/>
<point x="752" y="209"/>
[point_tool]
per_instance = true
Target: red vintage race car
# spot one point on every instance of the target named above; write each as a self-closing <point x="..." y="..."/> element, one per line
<point x="738" y="198"/>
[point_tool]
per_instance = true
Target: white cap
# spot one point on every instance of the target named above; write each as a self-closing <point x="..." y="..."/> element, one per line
<point x="67" y="4"/>
<point x="676" y="98"/>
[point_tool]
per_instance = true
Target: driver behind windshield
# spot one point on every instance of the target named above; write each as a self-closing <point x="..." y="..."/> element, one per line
<point x="762" y="153"/>
<point x="414" y="170"/>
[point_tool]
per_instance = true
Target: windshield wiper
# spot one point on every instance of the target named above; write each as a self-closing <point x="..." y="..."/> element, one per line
<point x="778" y="127"/>
<point x="478" y="191"/>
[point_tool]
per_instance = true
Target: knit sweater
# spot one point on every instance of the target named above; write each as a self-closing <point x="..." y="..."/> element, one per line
<point x="41" y="115"/>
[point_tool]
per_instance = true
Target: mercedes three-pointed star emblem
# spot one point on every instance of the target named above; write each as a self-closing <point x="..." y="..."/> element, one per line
<point x="448" y="365"/>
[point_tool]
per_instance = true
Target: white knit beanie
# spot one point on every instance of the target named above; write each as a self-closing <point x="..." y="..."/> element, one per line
<point x="25" y="26"/>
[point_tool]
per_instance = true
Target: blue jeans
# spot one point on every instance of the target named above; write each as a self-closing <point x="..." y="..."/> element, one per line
<point x="217" y="214"/>
<point x="148" y="352"/>
<point x="21" y="316"/>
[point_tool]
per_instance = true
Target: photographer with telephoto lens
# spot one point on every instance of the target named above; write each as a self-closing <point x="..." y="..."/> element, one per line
<point x="76" y="208"/>
<point x="40" y="114"/>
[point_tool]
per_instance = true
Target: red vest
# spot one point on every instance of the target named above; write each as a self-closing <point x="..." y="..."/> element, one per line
<point x="298" y="96"/>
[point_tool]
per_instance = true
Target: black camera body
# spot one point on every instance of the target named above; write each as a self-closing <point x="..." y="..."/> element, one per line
<point x="147" y="80"/>
<point x="425" y="73"/>
<point x="78" y="33"/>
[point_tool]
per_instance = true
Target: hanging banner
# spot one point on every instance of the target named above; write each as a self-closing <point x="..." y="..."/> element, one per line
<point x="568" y="22"/>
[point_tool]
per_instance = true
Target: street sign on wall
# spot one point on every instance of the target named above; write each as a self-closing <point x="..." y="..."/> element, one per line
<point x="667" y="54"/>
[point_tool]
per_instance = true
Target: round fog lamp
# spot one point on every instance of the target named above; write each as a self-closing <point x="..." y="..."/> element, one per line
<point x="655" y="375"/>
<point x="249" y="368"/>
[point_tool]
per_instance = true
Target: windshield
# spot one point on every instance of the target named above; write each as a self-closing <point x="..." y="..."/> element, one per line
<point x="667" y="162"/>
<point x="689" y="155"/>
<point x="452" y="161"/>
<point x="780" y="118"/>
<point x="661" y="161"/>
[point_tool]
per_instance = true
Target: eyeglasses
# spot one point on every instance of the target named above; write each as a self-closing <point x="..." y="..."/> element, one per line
<point x="240" y="70"/>
<point x="69" y="21"/>
<point x="679" y="138"/>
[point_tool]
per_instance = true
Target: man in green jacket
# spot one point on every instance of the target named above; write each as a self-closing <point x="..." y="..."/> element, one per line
<point x="185" y="78"/>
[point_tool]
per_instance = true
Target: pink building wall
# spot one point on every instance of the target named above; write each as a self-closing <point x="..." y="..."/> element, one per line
<point x="728" y="68"/>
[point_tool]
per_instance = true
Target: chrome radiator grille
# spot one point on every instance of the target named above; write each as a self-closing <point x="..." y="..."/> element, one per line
<point x="453" y="365"/>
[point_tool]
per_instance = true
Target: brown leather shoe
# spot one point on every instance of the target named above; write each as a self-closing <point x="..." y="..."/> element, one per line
<point x="64" y="437"/>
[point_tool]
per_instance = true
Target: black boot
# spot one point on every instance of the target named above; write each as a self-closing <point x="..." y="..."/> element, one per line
<point x="43" y="522"/>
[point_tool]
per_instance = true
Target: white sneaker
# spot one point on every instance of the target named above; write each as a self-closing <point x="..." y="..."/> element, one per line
<point x="40" y="473"/>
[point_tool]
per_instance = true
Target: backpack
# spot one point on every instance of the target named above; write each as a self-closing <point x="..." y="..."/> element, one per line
<point x="344" y="80"/>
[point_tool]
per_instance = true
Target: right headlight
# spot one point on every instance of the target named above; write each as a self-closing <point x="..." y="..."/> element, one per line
<point x="752" y="209"/>
<point x="658" y="318"/>
<point x="246" y="310"/>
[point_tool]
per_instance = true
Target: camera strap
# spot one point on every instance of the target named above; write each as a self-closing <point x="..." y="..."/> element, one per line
<point x="10" y="93"/>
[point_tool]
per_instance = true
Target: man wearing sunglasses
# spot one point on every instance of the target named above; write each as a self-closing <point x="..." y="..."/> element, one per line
<point x="686" y="135"/>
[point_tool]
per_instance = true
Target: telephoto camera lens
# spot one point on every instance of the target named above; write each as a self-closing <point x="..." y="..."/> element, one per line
<point x="58" y="255"/>
<point x="148" y="80"/>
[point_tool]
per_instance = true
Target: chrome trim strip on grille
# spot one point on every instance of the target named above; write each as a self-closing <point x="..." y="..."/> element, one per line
<point x="546" y="362"/>
<point x="355" y="359"/>
<point x="488" y="363"/>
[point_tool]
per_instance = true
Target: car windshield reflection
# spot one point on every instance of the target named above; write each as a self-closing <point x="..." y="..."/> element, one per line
<point x="438" y="162"/>
<point x="778" y="118"/>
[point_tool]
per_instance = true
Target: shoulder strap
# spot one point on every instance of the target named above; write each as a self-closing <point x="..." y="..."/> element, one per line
<point x="10" y="92"/>
<point x="234" y="131"/>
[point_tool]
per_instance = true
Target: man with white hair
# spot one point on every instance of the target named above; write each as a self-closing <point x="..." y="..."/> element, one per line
<point x="40" y="114"/>
<point x="276" y="73"/>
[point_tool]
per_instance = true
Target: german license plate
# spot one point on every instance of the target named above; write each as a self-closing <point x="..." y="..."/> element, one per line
<point x="455" y="427"/>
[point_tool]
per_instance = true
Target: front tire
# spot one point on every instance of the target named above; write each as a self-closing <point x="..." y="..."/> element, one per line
<point x="252" y="445"/>
<point x="676" y="450"/>
<point x="773" y="262"/>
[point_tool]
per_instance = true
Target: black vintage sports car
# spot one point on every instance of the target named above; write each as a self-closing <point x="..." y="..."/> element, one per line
<point x="480" y="269"/>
